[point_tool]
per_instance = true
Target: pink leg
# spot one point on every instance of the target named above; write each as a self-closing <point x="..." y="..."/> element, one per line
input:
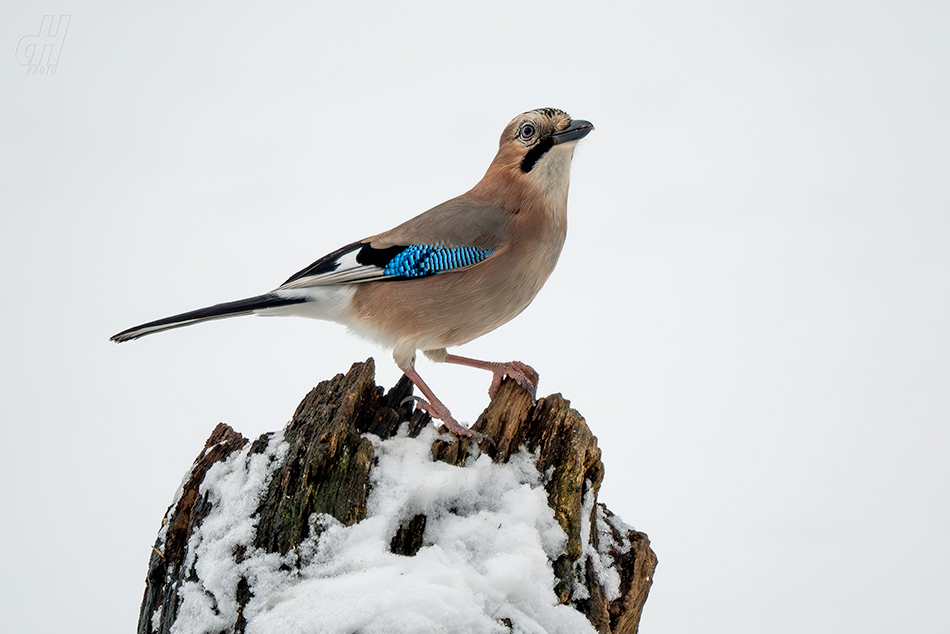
<point x="524" y="374"/>
<point x="436" y="409"/>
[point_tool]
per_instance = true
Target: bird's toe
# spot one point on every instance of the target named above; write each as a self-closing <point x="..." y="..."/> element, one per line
<point x="523" y="374"/>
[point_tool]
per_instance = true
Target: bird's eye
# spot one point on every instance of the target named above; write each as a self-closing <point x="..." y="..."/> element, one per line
<point x="527" y="131"/>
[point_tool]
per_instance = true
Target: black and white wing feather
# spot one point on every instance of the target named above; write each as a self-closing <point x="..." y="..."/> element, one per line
<point x="361" y="262"/>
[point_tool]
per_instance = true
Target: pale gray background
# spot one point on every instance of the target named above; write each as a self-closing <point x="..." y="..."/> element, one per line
<point x="751" y="310"/>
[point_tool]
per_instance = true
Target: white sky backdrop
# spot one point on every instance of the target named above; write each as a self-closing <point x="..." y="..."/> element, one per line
<point x="756" y="270"/>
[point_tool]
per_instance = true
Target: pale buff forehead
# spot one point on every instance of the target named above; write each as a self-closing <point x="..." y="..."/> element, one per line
<point x="548" y="119"/>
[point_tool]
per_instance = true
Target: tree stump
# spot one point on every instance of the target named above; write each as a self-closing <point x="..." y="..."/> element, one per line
<point x="318" y="474"/>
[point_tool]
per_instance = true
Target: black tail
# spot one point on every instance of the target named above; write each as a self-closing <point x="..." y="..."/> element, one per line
<point x="218" y="311"/>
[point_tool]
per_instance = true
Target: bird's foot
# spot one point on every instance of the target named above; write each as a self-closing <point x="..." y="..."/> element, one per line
<point x="434" y="407"/>
<point x="522" y="373"/>
<point x="441" y="412"/>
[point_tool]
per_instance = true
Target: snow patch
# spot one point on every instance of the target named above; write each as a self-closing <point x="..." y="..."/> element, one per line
<point x="486" y="555"/>
<point x="234" y="488"/>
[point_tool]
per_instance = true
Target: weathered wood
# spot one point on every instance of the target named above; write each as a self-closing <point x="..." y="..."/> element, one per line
<point x="166" y="570"/>
<point x="637" y="566"/>
<point x="327" y="469"/>
<point x="408" y="539"/>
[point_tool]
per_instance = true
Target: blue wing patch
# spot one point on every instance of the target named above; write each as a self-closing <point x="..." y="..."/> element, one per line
<point x="359" y="262"/>
<point x="420" y="260"/>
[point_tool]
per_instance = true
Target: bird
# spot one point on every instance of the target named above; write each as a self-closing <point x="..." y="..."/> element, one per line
<point x="447" y="276"/>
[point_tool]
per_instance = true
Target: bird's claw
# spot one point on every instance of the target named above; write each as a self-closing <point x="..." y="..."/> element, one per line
<point x="520" y="372"/>
<point x="442" y="413"/>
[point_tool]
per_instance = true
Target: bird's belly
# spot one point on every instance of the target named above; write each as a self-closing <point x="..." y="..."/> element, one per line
<point x="444" y="310"/>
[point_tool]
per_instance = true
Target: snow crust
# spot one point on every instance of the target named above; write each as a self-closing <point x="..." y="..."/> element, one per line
<point x="602" y="558"/>
<point x="488" y="544"/>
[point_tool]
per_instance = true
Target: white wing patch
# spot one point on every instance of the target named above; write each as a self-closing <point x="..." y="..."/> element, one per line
<point x="348" y="271"/>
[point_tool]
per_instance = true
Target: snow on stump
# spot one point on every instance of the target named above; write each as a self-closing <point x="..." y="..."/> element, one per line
<point x="360" y="517"/>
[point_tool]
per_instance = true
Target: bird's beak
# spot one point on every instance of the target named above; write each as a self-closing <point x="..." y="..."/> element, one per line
<point x="577" y="130"/>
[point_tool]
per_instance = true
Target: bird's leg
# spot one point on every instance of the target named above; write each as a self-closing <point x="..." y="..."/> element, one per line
<point x="524" y="374"/>
<point x="435" y="407"/>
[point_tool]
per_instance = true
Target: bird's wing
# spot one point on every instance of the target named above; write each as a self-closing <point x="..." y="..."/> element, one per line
<point x="462" y="221"/>
<point x="456" y="234"/>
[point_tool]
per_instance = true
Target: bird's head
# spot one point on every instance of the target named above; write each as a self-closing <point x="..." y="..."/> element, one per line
<point x="536" y="148"/>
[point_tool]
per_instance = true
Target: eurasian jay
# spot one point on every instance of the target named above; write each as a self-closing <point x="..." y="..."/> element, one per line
<point x="449" y="275"/>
